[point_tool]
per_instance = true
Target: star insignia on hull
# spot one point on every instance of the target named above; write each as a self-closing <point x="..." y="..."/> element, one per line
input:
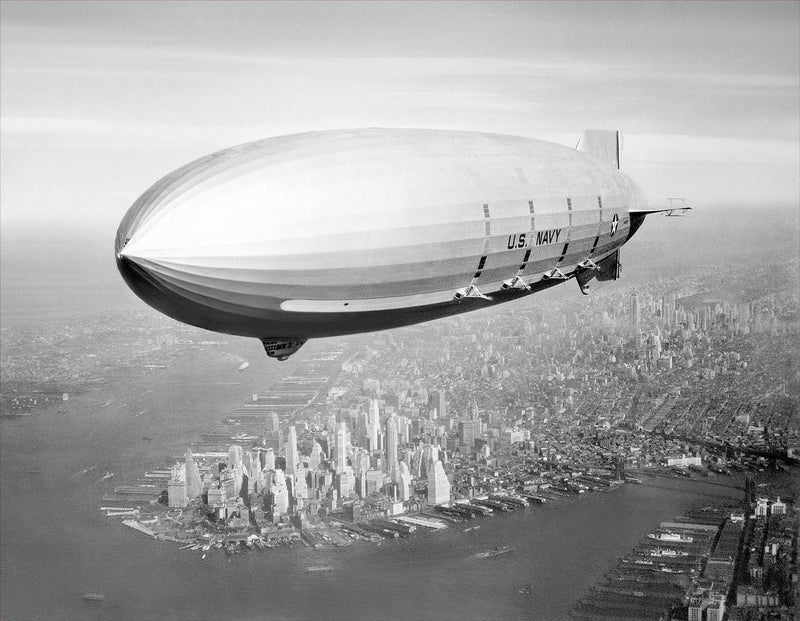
<point x="614" y="224"/>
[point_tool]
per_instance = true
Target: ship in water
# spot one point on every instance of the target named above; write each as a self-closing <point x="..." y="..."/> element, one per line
<point x="495" y="552"/>
<point x="319" y="568"/>
<point x="677" y="537"/>
<point x="94" y="597"/>
<point x="667" y="552"/>
<point x="244" y="365"/>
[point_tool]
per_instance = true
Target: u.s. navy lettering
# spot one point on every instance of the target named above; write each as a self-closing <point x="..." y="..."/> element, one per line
<point x="523" y="240"/>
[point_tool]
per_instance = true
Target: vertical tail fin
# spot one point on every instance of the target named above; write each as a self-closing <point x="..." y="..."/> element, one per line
<point x="604" y="144"/>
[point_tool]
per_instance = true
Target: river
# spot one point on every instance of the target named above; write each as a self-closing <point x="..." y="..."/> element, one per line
<point x="57" y="545"/>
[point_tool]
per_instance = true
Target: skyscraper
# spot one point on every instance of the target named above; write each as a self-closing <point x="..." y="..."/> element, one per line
<point x="280" y="494"/>
<point x="404" y="482"/>
<point x="269" y="459"/>
<point x="373" y="425"/>
<point x="635" y="313"/>
<point x="469" y="431"/>
<point x="437" y="405"/>
<point x="292" y="458"/>
<point x="438" y="485"/>
<point x="235" y="454"/>
<point x="316" y="456"/>
<point x="341" y="447"/>
<point x="193" y="483"/>
<point x="176" y="493"/>
<point x="391" y="447"/>
<point x="300" y="487"/>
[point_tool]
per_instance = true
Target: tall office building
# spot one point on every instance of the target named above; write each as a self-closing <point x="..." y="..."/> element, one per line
<point x="404" y="482"/>
<point x="280" y="494"/>
<point x="437" y="405"/>
<point x="469" y="431"/>
<point x="438" y="485"/>
<point x="235" y="454"/>
<point x="635" y="312"/>
<point x="176" y="493"/>
<point x="273" y="424"/>
<point x="194" y="486"/>
<point x="300" y="487"/>
<point x="373" y="425"/>
<point x="341" y="447"/>
<point x="292" y="458"/>
<point x="391" y="447"/>
<point x="402" y="430"/>
<point x="216" y="496"/>
<point x="316" y="457"/>
<point x="343" y="483"/>
<point x="269" y="459"/>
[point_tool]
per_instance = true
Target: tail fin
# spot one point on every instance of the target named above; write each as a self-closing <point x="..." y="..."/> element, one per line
<point x="604" y="144"/>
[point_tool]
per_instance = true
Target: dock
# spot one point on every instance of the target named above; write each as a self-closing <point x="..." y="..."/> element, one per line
<point x="418" y="521"/>
<point x="142" y="529"/>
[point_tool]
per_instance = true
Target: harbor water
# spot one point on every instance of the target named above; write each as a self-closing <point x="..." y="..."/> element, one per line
<point x="57" y="545"/>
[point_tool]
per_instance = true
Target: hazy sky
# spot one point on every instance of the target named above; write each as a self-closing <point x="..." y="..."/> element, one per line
<point x="99" y="100"/>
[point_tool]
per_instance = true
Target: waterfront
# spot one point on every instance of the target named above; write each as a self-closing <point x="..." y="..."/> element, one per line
<point x="53" y="534"/>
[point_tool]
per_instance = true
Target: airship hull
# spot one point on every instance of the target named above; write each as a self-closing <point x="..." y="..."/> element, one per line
<point x="332" y="233"/>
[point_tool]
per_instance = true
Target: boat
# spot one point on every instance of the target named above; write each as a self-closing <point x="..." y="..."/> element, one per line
<point x="107" y="475"/>
<point x="319" y="568"/>
<point x="244" y="365"/>
<point x="670" y="570"/>
<point x="668" y="536"/>
<point x="527" y="589"/>
<point x="495" y="552"/>
<point x="94" y="597"/>
<point x="667" y="552"/>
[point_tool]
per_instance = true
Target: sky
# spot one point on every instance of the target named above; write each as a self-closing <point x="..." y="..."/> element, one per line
<point x="98" y="100"/>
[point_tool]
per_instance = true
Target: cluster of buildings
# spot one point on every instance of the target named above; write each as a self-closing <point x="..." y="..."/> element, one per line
<point x="768" y="584"/>
<point x="662" y="376"/>
<point x="367" y="456"/>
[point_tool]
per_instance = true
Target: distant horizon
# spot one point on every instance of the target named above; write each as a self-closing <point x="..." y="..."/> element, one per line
<point x="101" y="100"/>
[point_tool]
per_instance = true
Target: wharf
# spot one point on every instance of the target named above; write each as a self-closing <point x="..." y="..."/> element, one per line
<point x="361" y="532"/>
<point x="490" y="504"/>
<point x="471" y="509"/>
<point x="510" y="501"/>
<point x="137" y="526"/>
<point x="403" y="529"/>
<point x="136" y="490"/>
<point x="383" y="532"/>
<point x="418" y="521"/>
<point x="444" y="513"/>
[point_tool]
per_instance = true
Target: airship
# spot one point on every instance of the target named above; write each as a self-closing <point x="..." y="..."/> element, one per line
<point x="339" y="232"/>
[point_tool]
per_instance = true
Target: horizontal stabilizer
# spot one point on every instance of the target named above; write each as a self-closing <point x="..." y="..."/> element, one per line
<point x="677" y="207"/>
<point x="604" y="144"/>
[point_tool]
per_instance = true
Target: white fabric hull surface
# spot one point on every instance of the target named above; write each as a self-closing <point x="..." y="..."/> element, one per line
<point x="340" y="232"/>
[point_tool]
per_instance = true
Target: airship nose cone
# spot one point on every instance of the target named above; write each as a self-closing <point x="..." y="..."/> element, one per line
<point x="134" y="276"/>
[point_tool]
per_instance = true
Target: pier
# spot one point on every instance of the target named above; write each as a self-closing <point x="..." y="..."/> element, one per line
<point x="418" y="521"/>
<point x="142" y="529"/>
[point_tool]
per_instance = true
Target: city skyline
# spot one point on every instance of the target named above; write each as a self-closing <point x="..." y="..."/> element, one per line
<point x="630" y="452"/>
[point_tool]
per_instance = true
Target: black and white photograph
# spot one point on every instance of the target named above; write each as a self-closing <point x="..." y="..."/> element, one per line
<point x="391" y="310"/>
